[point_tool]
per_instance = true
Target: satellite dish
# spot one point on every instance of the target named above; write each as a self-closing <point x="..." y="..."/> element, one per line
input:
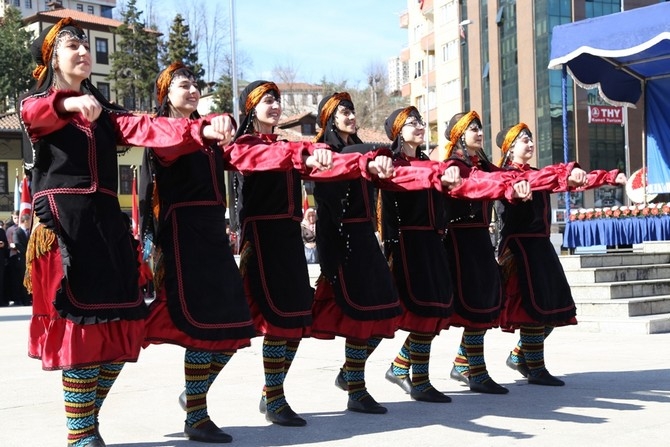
<point x="635" y="187"/>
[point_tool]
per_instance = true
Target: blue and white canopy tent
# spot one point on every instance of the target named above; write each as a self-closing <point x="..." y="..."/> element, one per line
<point x="625" y="55"/>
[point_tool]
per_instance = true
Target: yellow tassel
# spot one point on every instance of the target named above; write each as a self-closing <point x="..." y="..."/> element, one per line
<point x="156" y="205"/>
<point x="379" y="216"/>
<point x="246" y="252"/>
<point x="159" y="270"/>
<point x="41" y="241"/>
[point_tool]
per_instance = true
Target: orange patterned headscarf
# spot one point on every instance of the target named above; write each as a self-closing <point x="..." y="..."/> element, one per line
<point x="256" y="94"/>
<point x="509" y="139"/>
<point x="328" y="109"/>
<point x="457" y="130"/>
<point x="400" y="120"/>
<point x="48" y="46"/>
<point x="164" y="79"/>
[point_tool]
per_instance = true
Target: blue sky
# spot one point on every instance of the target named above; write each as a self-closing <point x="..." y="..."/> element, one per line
<point x="338" y="39"/>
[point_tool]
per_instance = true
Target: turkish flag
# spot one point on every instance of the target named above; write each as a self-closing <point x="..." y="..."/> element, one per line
<point x="26" y="205"/>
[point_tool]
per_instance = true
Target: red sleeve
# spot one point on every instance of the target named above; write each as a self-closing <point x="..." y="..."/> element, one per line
<point x="598" y="178"/>
<point x="552" y="178"/>
<point x="417" y="175"/>
<point x="482" y="185"/>
<point x="40" y="116"/>
<point x="250" y="153"/>
<point x="163" y="135"/>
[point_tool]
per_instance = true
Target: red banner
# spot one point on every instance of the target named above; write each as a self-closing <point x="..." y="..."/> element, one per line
<point x="606" y="115"/>
<point x="26" y="205"/>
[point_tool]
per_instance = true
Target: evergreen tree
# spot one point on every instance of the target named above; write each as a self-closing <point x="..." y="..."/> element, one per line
<point x="180" y="48"/>
<point x="223" y="95"/>
<point x="135" y="61"/>
<point x="15" y="58"/>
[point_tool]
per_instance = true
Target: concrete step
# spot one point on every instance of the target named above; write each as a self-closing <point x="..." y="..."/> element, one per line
<point x="620" y="273"/>
<point x="576" y="262"/>
<point x="646" y="324"/>
<point x="616" y="290"/>
<point x="625" y="307"/>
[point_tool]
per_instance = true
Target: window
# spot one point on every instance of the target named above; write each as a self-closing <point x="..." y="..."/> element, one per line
<point x="106" y="11"/>
<point x="80" y="7"/>
<point x="418" y="69"/>
<point x="3" y="180"/>
<point x="101" y="51"/>
<point x="450" y="51"/>
<point x="104" y="89"/>
<point x="308" y="129"/>
<point x="17" y="3"/>
<point x="90" y="9"/>
<point x="29" y="4"/>
<point x="125" y="179"/>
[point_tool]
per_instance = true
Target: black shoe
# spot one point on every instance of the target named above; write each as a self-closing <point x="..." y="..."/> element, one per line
<point x="521" y="367"/>
<point x="545" y="378"/>
<point x="286" y="417"/>
<point x="263" y="405"/>
<point x="182" y="400"/>
<point x="97" y="433"/>
<point x="489" y="386"/>
<point x="365" y="405"/>
<point x="403" y="382"/>
<point x="96" y="443"/>
<point x="429" y="395"/>
<point x="341" y="381"/>
<point x="454" y="374"/>
<point x="207" y="432"/>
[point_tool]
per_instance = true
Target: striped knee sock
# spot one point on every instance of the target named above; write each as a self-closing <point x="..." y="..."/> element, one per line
<point x="108" y="375"/>
<point x="291" y="351"/>
<point x="474" y="348"/>
<point x="219" y="361"/>
<point x="274" y="356"/>
<point x="196" y="371"/>
<point x="355" y="352"/>
<point x="419" y="349"/>
<point x="532" y="339"/>
<point x="461" y="360"/>
<point x="402" y="361"/>
<point x="372" y="345"/>
<point x="79" y="389"/>
<point x="517" y="352"/>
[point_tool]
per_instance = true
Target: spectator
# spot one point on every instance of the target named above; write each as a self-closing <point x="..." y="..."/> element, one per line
<point x="308" y="226"/>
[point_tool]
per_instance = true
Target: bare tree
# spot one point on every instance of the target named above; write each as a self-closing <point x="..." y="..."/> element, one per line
<point x="287" y="74"/>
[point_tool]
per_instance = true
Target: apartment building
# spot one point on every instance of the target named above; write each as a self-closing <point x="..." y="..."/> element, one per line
<point x="492" y="57"/>
<point x="102" y="8"/>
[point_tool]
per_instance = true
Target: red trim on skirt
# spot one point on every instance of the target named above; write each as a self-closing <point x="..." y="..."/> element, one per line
<point x="263" y="327"/>
<point x="513" y="315"/>
<point x="411" y="322"/>
<point x="329" y="321"/>
<point x="161" y="329"/>
<point x="62" y="344"/>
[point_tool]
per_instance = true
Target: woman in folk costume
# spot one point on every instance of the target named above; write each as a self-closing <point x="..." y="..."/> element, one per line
<point x="473" y="267"/>
<point x="273" y="264"/>
<point x="355" y="296"/>
<point x="88" y="312"/>
<point x="200" y="302"/>
<point x="537" y="293"/>
<point x="413" y="232"/>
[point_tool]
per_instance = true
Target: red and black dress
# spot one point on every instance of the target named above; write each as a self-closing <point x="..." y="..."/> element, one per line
<point x="201" y="303"/>
<point x="87" y="305"/>
<point x="273" y="264"/>
<point x="355" y="296"/>
<point x="535" y="287"/>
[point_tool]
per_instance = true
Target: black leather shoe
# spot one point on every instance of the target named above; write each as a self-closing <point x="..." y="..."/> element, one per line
<point x="263" y="405"/>
<point x="521" y="367"/>
<point x="455" y="375"/>
<point x="429" y="395"/>
<point x="341" y="381"/>
<point x="97" y="433"/>
<point x="182" y="400"/>
<point x="286" y="417"/>
<point x="489" y="386"/>
<point x="207" y="432"/>
<point x="96" y="443"/>
<point x="403" y="382"/>
<point x="546" y="379"/>
<point x="365" y="405"/>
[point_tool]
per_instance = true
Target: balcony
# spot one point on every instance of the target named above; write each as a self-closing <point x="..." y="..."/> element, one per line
<point x="428" y="41"/>
<point x="404" y="55"/>
<point x="404" y="20"/>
